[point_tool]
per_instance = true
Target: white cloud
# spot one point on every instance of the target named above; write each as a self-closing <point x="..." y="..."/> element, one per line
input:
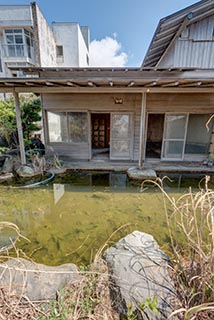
<point x="107" y="53"/>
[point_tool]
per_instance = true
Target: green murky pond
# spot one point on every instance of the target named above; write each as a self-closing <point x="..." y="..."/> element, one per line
<point x="70" y="219"/>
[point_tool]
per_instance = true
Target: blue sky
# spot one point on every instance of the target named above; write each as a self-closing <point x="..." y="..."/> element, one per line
<point x="124" y="26"/>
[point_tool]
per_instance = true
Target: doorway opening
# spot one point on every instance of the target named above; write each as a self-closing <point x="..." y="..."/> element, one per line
<point x="155" y="129"/>
<point x="100" y="135"/>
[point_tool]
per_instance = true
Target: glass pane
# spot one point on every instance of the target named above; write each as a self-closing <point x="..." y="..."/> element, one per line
<point x="18" y="39"/>
<point x="120" y="148"/>
<point x="57" y="124"/>
<point x="120" y="126"/>
<point x="19" y="50"/>
<point x="78" y="126"/>
<point x="11" y="51"/>
<point x="9" y="39"/>
<point x="17" y="30"/>
<point x="198" y="137"/>
<point x="175" y="126"/>
<point x="173" y="149"/>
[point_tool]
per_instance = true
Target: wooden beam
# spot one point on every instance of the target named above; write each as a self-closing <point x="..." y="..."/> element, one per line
<point x="142" y="131"/>
<point x="147" y="88"/>
<point x="170" y="84"/>
<point x="178" y="33"/>
<point x="19" y="128"/>
<point x="70" y="84"/>
<point x="151" y="84"/>
<point x="131" y="84"/>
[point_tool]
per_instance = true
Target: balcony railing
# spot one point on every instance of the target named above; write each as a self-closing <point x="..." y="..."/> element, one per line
<point x="18" y="51"/>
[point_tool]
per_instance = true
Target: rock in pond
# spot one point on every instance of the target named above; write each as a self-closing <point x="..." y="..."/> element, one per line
<point x="141" y="174"/>
<point x="139" y="271"/>
<point x="36" y="281"/>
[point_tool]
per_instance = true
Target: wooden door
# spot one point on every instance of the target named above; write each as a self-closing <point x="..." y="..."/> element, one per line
<point x="100" y="130"/>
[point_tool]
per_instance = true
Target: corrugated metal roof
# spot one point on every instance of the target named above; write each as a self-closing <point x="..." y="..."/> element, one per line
<point x="170" y="28"/>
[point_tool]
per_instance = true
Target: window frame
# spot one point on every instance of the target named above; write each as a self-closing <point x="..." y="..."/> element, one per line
<point x="69" y="141"/>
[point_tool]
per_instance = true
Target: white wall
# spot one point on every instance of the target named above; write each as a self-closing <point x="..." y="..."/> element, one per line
<point x="82" y="50"/>
<point x="15" y="15"/>
<point x="70" y="37"/>
<point x="47" y="44"/>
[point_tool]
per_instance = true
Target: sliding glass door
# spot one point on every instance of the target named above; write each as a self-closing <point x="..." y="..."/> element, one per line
<point x="121" y="144"/>
<point x="174" y="136"/>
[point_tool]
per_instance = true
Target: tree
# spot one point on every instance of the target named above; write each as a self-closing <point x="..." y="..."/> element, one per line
<point x="30" y="112"/>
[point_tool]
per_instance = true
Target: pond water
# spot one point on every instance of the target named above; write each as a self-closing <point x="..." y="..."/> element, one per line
<point x="70" y="219"/>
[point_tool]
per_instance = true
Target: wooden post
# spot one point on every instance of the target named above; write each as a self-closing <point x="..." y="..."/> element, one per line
<point x="19" y="128"/>
<point x="142" y="131"/>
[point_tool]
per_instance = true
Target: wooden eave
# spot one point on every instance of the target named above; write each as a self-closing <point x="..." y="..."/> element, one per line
<point x="111" y="80"/>
<point x="169" y="26"/>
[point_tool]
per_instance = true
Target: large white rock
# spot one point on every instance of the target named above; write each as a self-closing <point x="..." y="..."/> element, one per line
<point x="139" y="270"/>
<point x="36" y="281"/>
<point x="141" y="174"/>
<point x="25" y="171"/>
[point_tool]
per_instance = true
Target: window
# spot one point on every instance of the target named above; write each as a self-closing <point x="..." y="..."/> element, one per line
<point x="59" y="53"/>
<point x="198" y="137"/>
<point x="57" y="124"/>
<point x="29" y="43"/>
<point x="78" y="126"/>
<point x="19" y="43"/>
<point x="174" y="136"/>
<point x="69" y="127"/>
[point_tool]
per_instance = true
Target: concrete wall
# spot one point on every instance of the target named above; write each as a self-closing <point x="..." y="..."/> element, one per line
<point x="82" y="50"/>
<point x="46" y="45"/>
<point x="15" y="16"/>
<point x="70" y="37"/>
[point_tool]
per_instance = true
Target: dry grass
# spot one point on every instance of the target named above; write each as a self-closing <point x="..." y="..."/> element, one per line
<point x="190" y="221"/>
<point x="13" y="307"/>
<point x="88" y="298"/>
<point x="85" y="299"/>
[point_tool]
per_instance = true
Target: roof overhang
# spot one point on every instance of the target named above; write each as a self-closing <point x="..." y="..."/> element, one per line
<point x="40" y="80"/>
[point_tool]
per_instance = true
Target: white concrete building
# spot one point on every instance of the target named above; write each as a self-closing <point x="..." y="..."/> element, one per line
<point x="26" y="39"/>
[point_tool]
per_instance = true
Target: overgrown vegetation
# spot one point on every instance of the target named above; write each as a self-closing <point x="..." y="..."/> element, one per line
<point x="192" y="215"/>
<point x="30" y="108"/>
<point x="88" y="298"/>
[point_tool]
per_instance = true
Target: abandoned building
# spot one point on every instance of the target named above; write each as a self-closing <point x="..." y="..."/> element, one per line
<point x="161" y="111"/>
<point x="27" y="40"/>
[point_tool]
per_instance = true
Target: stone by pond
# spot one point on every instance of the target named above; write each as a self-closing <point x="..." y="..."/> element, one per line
<point x="138" y="270"/>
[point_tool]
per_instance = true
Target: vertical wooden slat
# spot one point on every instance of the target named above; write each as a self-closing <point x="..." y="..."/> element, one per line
<point x="89" y="136"/>
<point x="19" y="128"/>
<point x="142" y="131"/>
<point x="211" y="149"/>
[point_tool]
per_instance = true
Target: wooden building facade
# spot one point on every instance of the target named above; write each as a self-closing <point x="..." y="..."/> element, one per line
<point x="124" y="114"/>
